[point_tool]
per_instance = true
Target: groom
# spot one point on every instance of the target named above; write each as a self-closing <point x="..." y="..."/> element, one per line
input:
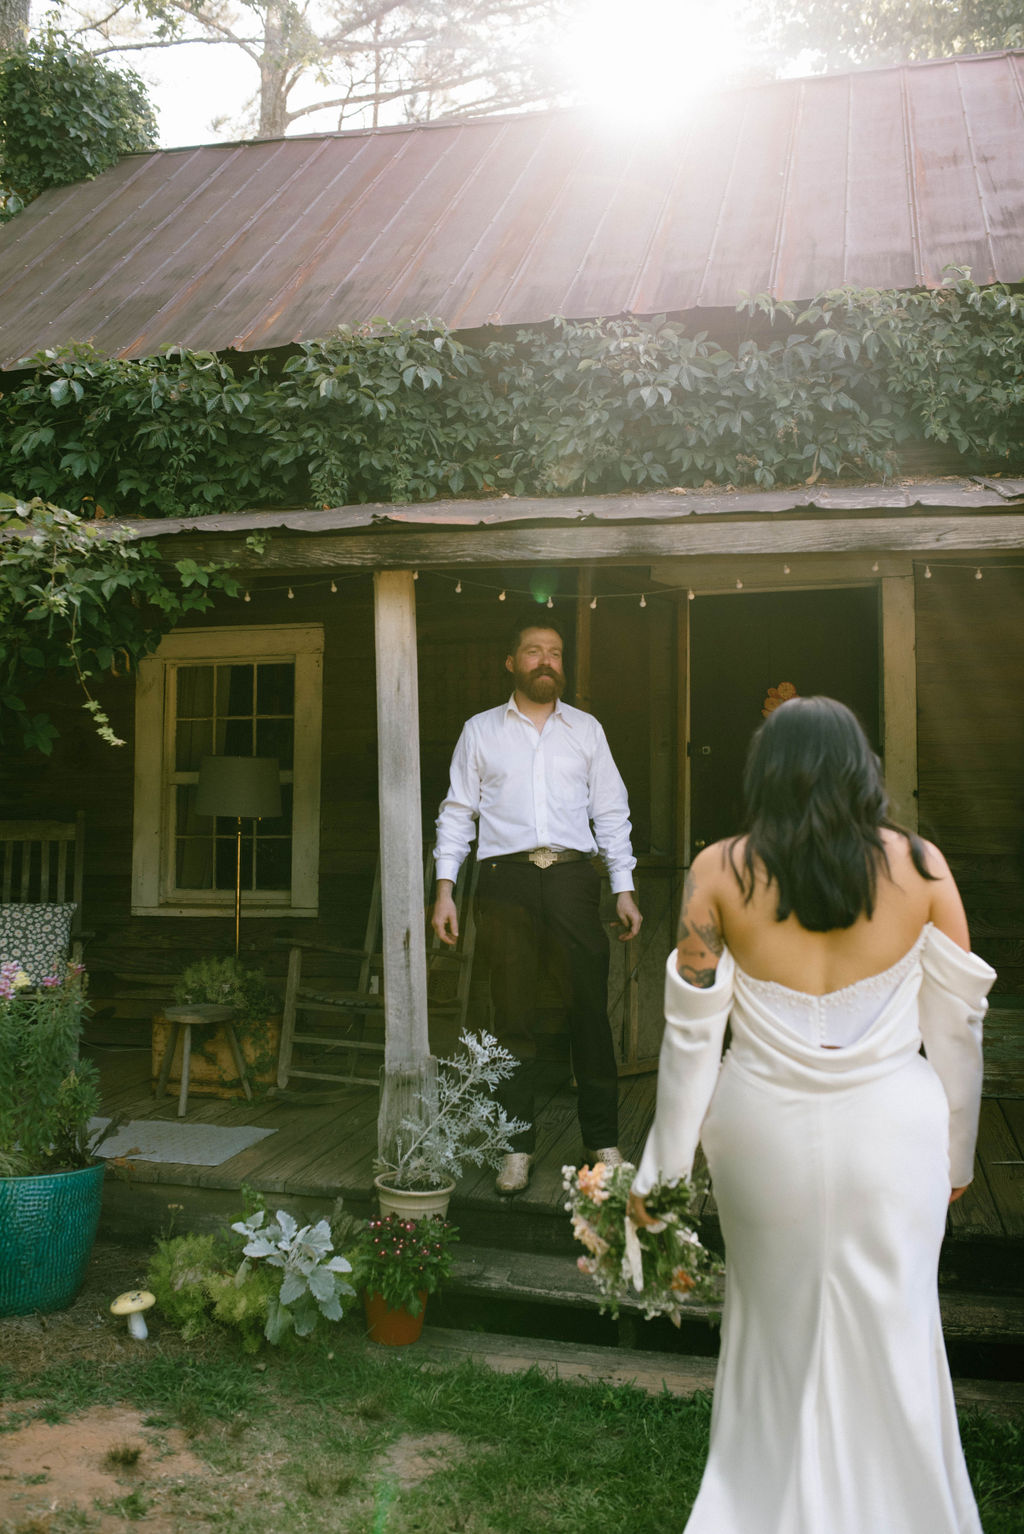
<point x="537" y="775"/>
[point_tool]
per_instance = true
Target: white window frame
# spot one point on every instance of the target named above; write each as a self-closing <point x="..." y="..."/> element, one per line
<point x="153" y="861"/>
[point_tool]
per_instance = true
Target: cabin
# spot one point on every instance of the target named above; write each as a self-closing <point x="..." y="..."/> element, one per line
<point x="369" y="632"/>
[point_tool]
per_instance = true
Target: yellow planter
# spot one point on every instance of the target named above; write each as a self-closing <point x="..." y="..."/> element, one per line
<point x="213" y="1072"/>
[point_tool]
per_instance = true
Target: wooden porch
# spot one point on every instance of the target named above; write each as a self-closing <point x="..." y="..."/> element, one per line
<point x="325" y="1142"/>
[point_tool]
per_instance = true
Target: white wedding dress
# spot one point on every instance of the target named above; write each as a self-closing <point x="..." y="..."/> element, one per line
<point x="831" y="1167"/>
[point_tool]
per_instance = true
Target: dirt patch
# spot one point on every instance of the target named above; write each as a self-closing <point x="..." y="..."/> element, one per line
<point x="412" y="1459"/>
<point x="91" y="1464"/>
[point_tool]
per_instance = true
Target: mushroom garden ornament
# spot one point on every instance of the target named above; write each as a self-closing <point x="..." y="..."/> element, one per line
<point x="134" y="1305"/>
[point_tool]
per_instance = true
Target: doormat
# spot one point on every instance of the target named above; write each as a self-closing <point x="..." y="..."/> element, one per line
<point x="186" y="1144"/>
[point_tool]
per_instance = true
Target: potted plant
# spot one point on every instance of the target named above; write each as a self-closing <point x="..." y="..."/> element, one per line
<point x="461" y="1123"/>
<point x="225" y="982"/>
<point x="51" y="1185"/>
<point x="397" y="1263"/>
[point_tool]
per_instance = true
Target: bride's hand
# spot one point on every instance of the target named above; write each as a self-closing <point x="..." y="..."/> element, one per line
<point x="958" y="1193"/>
<point x="637" y="1211"/>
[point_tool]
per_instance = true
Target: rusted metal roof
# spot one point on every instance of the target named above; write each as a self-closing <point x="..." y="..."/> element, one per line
<point x="879" y="178"/>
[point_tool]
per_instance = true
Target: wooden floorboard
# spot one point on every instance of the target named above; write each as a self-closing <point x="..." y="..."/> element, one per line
<point x="325" y="1143"/>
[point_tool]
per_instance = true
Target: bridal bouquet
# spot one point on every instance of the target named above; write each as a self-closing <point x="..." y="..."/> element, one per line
<point x="664" y="1264"/>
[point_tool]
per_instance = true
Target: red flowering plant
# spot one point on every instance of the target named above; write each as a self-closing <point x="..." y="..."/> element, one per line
<point x="403" y="1260"/>
<point x="661" y="1267"/>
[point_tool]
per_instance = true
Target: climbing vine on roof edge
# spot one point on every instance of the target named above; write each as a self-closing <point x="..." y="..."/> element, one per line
<point x="814" y="392"/>
<point x="85" y="600"/>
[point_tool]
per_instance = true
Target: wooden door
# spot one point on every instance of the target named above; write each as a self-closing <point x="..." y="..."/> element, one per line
<point x="821" y="641"/>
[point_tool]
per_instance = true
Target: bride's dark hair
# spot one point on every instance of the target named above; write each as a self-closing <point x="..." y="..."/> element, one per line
<point x="815" y="810"/>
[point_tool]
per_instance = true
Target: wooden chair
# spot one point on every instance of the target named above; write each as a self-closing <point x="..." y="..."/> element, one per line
<point x="343" y="1009"/>
<point x="42" y="863"/>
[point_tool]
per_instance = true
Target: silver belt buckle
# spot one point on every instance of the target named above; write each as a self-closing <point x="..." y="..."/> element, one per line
<point x="543" y="857"/>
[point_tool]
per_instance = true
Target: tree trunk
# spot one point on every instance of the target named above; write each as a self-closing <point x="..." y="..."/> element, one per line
<point x="273" y="74"/>
<point x="13" y="24"/>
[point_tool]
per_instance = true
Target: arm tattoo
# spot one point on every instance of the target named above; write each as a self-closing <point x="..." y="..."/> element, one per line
<point x="704" y="978"/>
<point x="708" y="931"/>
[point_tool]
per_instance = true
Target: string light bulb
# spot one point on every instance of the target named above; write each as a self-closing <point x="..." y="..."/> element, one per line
<point x="874" y="568"/>
<point x="550" y="602"/>
<point x="458" y="588"/>
<point x="785" y="569"/>
<point x="739" y="584"/>
<point x="690" y="594"/>
<point x="247" y="598"/>
<point x="501" y="596"/>
<point x="291" y="595"/>
<point x="643" y="601"/>
<point x="593" y="604"/>
<point x="977" y="574"/>
<point x="927" y="572"/>
<point x="415" y="575"/>
<point x="334" y="585"/>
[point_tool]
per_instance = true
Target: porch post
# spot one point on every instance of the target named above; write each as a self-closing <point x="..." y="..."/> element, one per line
<point x="409" y="1068"/>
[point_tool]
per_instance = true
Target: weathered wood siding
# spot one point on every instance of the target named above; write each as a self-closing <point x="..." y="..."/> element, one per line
<point x="970" y="701"/>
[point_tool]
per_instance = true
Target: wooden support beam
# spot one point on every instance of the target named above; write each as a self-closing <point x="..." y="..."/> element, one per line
<point x="409" y="1069"/>
<point x="630" y="542"/>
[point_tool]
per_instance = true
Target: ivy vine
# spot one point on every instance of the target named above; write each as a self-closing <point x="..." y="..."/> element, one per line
<point x="65" y="115"/>
<point x="823" y="390"/>
<point x="80" y="598"/>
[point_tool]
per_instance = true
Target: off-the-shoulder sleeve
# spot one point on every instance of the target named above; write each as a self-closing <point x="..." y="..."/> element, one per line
<point x="953" y="1002"/>
<point x="691" y="1054"/>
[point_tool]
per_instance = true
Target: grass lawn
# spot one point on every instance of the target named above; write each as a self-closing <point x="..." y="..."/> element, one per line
<point x="338" y="1435"/>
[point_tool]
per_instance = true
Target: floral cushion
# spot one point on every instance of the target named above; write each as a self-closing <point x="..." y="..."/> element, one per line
<point x="36" y="936"/>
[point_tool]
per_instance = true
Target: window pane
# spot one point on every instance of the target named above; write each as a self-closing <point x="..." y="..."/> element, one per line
<point x="275" y="688"/>
<point x="274" y="738"/>
<point x="195" y="692"/>
<point x="234" y="690"/>
<point x="234" y="737"/>
<point x="273" y="863"/>
<point x="194" y="740"/>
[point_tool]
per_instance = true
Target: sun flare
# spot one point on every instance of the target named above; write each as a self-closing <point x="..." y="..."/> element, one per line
<point x="646" y="60"/>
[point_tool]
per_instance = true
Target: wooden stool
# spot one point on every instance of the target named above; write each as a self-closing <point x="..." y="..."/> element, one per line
<point x="201" y="1016"/>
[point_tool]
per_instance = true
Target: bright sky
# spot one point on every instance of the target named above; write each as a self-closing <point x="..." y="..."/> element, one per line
<point x="631" y="60"/>
<point x="645" y="60"/>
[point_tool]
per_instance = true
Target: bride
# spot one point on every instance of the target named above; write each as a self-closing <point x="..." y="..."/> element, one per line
<point x="835" y="944"/>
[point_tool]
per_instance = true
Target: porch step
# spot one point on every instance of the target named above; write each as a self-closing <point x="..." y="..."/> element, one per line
<point x="541" y="1296"/>
<point x="678" y="1374"/>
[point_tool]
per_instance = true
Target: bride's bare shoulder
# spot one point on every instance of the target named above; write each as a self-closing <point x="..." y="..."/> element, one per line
<point x="900" y="854"/>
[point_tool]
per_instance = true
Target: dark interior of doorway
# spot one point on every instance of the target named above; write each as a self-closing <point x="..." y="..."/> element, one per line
<point x="821" y="641"/>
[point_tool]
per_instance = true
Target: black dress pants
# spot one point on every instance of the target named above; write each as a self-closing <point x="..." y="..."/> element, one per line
<point x="525" y="915"/>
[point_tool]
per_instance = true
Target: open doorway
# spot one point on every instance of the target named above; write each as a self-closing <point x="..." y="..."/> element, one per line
<point x="741" y="645"/>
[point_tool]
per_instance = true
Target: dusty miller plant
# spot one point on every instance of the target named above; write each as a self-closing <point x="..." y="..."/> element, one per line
<point x="311" y="1281"/>
<point x="462" y="1125"/>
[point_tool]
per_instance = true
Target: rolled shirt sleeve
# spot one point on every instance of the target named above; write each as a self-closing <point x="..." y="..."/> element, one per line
<point x="456" y="820"/>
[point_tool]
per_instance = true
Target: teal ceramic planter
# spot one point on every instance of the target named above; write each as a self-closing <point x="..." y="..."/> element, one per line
<point x="47" y="1229"/>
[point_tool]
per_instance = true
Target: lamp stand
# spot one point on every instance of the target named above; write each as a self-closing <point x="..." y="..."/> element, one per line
<point x="238" y="881"/>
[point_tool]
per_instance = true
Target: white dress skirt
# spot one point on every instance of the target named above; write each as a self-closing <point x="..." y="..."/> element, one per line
<point x="831" y="1167"/>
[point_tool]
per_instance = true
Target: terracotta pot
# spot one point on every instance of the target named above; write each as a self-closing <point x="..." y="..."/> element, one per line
<point x="393" y="1328"/>
<point x="413" y="1203"/>
<point x="213" y="1072"/>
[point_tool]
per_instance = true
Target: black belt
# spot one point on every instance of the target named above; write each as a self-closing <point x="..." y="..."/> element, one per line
<point x="540" y="857"/>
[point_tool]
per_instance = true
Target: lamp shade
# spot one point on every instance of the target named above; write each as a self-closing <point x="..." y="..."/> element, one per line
<point x="247" y="786"/>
